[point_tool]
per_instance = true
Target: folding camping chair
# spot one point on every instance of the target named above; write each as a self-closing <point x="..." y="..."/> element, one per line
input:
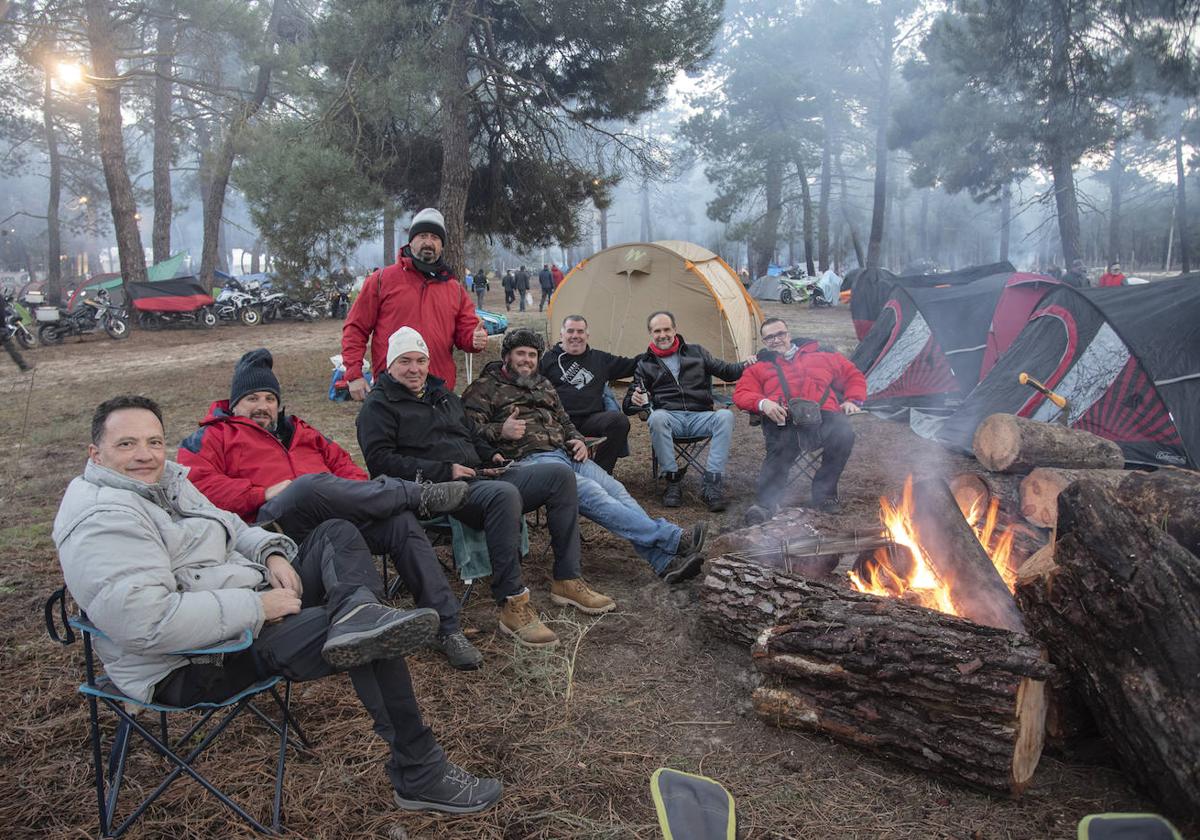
<point x="807" y="460"/>
<point x="180" y="751"/>
<point x="690" y="450"/>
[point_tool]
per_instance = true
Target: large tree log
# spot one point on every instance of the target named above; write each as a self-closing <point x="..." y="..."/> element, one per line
<point x="954" y="552"/>
<point x="1039" y="490"/>
<point x="1170" y="498"/>
<point x="939" y="693"/>
<point x="739" y="600"/>
<point x="1011" y="444"/>
<point x="1119" y="611"/>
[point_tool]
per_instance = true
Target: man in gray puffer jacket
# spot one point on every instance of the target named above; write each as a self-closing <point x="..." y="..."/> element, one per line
<point x="157" y="568"/>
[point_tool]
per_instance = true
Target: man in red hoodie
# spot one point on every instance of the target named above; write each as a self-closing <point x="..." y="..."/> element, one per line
<point x="420" y="291"/>
<point x="800" y="370"/>
<point x="251" y="458"/>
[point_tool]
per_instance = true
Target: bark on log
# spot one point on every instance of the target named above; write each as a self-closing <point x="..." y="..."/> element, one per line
<point x="1010" y="444"/>
<point x="739" y="600"/>
<point x="939" y="693"/>
<point x="1119" y="611"/>
<point x="954" y="552"/>
<point x="1170" y="498"/>
<point x="1039" y="490"/>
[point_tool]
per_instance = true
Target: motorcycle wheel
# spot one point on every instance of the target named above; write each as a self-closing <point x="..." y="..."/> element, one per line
<point x="785" y="296"/>
<point x="49" y="334"/>
<point x="208" y="318"/>
<point x="251" y="317"/>
<point x="25" y="338"/>
<point x="116" y="328"/>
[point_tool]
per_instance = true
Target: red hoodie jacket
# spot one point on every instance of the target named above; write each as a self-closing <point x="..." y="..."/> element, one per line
<point x="401" y="296"/>
<point x="809" y="373"/>
<point x="233" y="460"/>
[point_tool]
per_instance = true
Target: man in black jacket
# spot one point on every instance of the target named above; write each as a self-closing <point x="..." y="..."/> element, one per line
<point x="521" y="285"/>
<point x="673" y="380"/>
<point x="546" y="282"/>
<point x="411" y="425"/>
<point x="579" y="373"/>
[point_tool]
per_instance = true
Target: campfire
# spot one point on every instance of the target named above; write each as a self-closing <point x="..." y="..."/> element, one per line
<point x="904" y="570"/>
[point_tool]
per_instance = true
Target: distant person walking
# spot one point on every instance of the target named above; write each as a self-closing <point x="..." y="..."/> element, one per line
<point x="1113" y="276"/>
<point x="481" y="287"/>
<point x="1077" y="276"/>
<point x="557" y="274"/>
<point x="510" y="293"/>
<point x="522" y="286"/>
<point x="546" y="281"/>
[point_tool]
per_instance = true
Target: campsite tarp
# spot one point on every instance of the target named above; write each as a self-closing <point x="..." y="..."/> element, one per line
<point x="872" y="287"/>
<point x="931" y="345"/>
<point x="1126" y="358"/>
<point x="766" y="287"/>
<point x="617" y="288"/>
<point x="111" y="281"/>
<point x="180" y="294"/>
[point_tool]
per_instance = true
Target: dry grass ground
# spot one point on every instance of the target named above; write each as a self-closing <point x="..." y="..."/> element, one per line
<point x="575" y="735"/>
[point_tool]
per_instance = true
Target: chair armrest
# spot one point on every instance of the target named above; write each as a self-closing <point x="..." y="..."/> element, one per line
<point x="241" y="643"/>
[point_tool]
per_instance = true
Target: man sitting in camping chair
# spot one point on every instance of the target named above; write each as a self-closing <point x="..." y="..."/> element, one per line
<point x="158" y="570"/>
<point x="804" y="393"/>
<point x="411" y="425"/>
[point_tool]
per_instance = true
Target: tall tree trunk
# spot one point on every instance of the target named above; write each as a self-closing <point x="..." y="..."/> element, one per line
<point x="923" y="225"/>
<point x="102" y="41"/>
<point x="602" y="212"/>
<point x="647" y="222"/>
<point x="1066" y="204"/>
<point x="254" y="258"/>
<point x="766" y="236"/>
<point x="1181" y="203"/>
<point x="164" y="47"/>
<point x="1005" y="220"/>
<point x="222" y="165"/>
<point x="806" y="196"/>
<point x="456" y="139"/>
<point x="883" y="110"/>
<point x="53" y="234"/>
<point x="823" y="193"/>
<point x="1116" y="177"/>
<point x="1062" y="162"/>
<point x="858" y="249"/>
<point x="389" y="233"/>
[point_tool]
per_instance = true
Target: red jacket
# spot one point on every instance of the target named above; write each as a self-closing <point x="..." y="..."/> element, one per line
<point x="557" y="274"/>
<point x="809" y="373"/>
<point x="1109" y="279"/>
<point x="233" y="460"/>
<point x="401" y="296"/>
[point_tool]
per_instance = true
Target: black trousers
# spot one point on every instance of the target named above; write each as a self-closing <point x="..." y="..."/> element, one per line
<point x="611" y="424"/>
<point x="496" y="506"/>
<point x="382" y="510"/>
<point x="509" y="296"/>
<point x="783" y="444"/>
<point x="338" y="572"/>
<point x="546" y="293"/>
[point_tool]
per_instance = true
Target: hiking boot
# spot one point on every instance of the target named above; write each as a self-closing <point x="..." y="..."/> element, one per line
<point x="370" y="632"/>
<point x="442" y="497"/>
<point x="457" y="792"/>
<point x="682" y="567"/>
<point x="520" y="620"/>
<point x="458" y="651"/>
<point x="830" y="505"/>
<point x="712" y="491"/>
<point x="673" y="496"/>
<point x="576" y="593"/>
<point x="692" y="542"/>
<point x="756" y="515"/>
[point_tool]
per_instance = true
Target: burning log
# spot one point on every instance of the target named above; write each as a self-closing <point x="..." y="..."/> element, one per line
<point x="1170" y="498"/>
<point x="939" y="693"/>
<point x="1119" y="610"/>
<point x="976" y="491"/>
<point x="1010" y="444"/>
<point x="1039" y="490"/>
<point x="996" y="497"/>
<point x="740" y="599"/>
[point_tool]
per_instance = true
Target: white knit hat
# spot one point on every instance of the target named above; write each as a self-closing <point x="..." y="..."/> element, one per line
<point x="405" y="340"/>
<point x="429" y="220"/>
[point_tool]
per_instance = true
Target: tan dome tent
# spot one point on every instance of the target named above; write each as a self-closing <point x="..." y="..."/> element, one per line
<point x="617" y="288"/>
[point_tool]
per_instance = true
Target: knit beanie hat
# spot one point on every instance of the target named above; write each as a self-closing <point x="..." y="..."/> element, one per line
<point x="428" y="220"/>
<point x="253" y="373"/>
<point x="522" y="338"/>
<point x="405" y="340"/>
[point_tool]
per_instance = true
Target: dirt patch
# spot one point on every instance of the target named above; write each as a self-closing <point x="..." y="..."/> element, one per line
<point x="575" y="735"/>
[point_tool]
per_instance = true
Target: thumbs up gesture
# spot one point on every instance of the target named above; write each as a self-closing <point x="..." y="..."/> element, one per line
<point x="513" y="429"/>
<point x="480" y="337"/>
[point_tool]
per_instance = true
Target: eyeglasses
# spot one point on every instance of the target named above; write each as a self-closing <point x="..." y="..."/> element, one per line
<point x="775" y="336"/>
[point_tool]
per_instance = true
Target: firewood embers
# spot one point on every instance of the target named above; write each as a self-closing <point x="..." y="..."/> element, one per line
<point x="1009" y="444"/>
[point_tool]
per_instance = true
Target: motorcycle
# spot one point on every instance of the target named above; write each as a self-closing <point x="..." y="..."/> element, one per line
<point x="339" y="301"/>
<point x="91" y="315"/>
<point x="203" y="316"/>
<point x="14" y="327"/>
<point x="239" y="303"/>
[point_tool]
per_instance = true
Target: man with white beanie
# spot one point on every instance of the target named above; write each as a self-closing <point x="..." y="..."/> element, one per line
<point x="420" y="291"/>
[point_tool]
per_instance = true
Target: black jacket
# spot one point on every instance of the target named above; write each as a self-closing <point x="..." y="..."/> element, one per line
<point x="546" y="280"/>
<point x="521" y="281"/>
<point x="400" y="433"/>
<point x="692" y="391"/>
<point x="580" y="380"/>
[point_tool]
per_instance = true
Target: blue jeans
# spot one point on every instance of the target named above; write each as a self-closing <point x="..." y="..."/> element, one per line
<point x="605" y="501"/>
<point x="665" y="426"/>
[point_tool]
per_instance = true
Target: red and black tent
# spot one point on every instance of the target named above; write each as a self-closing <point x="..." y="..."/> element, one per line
<point x="873" y="286"/>
<point x="930" y="346"/>
<point x="182" y="294"/>
<point x="1126" y="358"/>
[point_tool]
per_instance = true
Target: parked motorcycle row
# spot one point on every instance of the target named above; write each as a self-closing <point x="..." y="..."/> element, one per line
<point x="250" y="304"/>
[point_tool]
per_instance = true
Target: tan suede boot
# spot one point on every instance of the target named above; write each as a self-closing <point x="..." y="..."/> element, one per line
<point x="576" y="593"/>
<point x="519" y="619"/>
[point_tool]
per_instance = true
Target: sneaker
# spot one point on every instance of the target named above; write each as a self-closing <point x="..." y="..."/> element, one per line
<point x="830" y="505"/>
<point x="682" y="567"/>
<point x="673" y="496"/>
<point x="692" y="542"/>
<point x="756" y="515"/>
<point x="457" y="792"/>
<point x="712" y="492"/>
<point x="458" y="651"/>
<point x="370" y="632"/>
<point x="576" y="593"/>
<point x="443" y="497"/>
<point x="520" y="620"/>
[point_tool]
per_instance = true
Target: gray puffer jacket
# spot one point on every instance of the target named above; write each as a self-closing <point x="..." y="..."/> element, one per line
<point x="157" y="568"/>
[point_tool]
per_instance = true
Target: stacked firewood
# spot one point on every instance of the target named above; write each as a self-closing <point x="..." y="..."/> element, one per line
<point x="1104" y="625"/>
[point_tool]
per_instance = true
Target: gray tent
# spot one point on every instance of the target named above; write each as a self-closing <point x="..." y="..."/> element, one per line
<point x="765" y="288"/>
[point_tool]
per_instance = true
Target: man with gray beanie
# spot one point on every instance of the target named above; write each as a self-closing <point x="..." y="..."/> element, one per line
<point x="253" y="459"/>
<point x="420" y="291"/>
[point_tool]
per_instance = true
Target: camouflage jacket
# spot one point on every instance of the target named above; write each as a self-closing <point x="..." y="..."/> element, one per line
<point x="489" y="401"/>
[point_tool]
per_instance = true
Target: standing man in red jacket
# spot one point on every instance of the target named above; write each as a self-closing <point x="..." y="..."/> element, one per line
<point x="799" y="370"/>
<point x="420" y="291"/>
<point x="252" y="458"/>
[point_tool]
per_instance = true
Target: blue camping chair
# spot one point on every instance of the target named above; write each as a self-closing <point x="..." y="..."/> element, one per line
<point x="98" y="689"/>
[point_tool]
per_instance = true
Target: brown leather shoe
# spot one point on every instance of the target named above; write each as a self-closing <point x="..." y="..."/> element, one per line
<point x="520" y="620"/>
<point x="576" y="593"/>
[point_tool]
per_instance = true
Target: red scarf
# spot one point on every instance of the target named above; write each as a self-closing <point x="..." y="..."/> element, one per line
<point x="670" y="351"/>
